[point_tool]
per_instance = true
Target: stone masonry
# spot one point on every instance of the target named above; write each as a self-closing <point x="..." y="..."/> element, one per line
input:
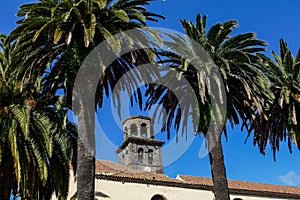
<point x="139" y="149"/>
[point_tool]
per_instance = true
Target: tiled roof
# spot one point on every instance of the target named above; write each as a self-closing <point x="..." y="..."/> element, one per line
<point x="107" y="166"/>
<point x="146" y="176"/>
<point x="109" y="170"/>
<point x="244" y="185"/>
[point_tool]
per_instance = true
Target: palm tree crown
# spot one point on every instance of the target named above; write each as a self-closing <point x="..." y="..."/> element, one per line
<point x="282" y="115"/>
<point x="33" y="149"/>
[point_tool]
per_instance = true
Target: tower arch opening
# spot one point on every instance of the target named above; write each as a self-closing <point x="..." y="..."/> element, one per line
<point x="140" y="155"/>
<point x="144" y="130"/>
<point x="150" y="156"/>
<point x="133" y="130"/>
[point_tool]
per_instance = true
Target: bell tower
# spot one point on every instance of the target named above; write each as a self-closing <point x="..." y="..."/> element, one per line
<point x="139" y="149"/>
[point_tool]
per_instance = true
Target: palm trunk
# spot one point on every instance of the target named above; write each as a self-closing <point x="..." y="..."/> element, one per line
<point x="31" y="180"/>
<point x="85" y="87"/>
<point x="86" y="152"/>
<point x="6" y="175"/>
<point x="218" y="172"/>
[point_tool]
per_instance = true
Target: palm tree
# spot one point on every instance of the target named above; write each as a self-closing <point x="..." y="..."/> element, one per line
<point x="244" y="84"/>
<point x="32" y="146"/>
<point x="282" y="114"/>
<point x="53" y="39"/>
<point x="64" y="148"/>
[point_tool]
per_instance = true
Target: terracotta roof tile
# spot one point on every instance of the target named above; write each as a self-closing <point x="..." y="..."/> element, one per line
<point x="147" y="176"/>
<point x="244" y="185"/>
<point x="107" y="166"/>
<point x="195" y="180"/>
<point x="114" y="171"/>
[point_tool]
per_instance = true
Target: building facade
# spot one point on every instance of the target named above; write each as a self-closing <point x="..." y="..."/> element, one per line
<point x="139" y="174"/>
<point x="115" y="181"/>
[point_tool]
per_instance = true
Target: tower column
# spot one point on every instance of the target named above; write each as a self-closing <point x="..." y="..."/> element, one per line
<point x="148" y="132"/>
<point x="139" y="133"/>
<point x="129" y="132"/>
<point x="125" y="133"/>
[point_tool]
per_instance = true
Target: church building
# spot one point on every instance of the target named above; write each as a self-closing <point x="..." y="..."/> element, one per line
<point x="139" y="175"/>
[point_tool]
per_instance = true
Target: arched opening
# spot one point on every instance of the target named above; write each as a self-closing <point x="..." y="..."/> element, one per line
<point x="150" y="156"/>
<point x="140" y="155"/>
<point x="158" y="197"/>
<point x="144" y="130"/>
<point x="133" y="130"/>
<point x="237" y="199"/>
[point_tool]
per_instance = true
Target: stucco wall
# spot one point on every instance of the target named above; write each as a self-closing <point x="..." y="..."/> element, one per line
<point x="113" y="190"/>
<point x="132" y="191"/>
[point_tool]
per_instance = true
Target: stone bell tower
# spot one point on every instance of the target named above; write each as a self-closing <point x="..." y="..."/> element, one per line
<point x="139" y="149"/>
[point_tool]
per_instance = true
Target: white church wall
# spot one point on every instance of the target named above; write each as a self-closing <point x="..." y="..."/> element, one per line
<point x="113" y="190"/>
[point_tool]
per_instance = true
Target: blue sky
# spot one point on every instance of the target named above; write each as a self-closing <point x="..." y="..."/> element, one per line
<point x="271" y="20"/>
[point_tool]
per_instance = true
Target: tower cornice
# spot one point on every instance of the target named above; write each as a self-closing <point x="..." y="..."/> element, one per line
<point x="137" y="140"/>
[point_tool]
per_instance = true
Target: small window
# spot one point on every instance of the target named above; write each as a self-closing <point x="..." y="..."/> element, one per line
<point x="150" y="156"/>
<point x="158" y="197"/>
<point x="237" y="199"/>
<point x="133" y="130"/>
<point x="144" y="130"/>
<point x="140" y="155"/>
